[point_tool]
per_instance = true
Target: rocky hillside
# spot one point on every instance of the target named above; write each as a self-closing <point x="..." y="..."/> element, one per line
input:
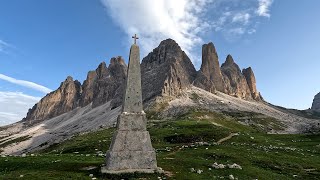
<point x="166" y="72"/>
<point x="316" y="103"/>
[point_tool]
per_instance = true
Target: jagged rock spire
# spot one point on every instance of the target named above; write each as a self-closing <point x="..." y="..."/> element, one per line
<point x="210" y="77"/>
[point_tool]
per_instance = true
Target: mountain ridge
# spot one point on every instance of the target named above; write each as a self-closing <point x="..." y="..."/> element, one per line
<point x="166" y="72"/>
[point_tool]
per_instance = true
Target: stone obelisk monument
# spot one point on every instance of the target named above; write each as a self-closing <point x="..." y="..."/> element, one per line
<point x="131" y="150"/>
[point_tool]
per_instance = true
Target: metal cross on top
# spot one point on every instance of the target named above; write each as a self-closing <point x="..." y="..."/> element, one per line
<point x="135" y="37"/>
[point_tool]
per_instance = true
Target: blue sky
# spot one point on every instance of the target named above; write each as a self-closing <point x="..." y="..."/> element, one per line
<point x="44" y="41"/>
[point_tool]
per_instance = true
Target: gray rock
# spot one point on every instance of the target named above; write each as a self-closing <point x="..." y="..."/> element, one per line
<point x="209" y="76"/>
<point x="102" y="85"/>
<point x="251" y="80"/>
<point x="217" y="166"/>
<point x="110" y="83"/>
<point x="62" y="100"/>
<point x="235" y="81"/>
<point x="166" y="71"/>
<point x="234" y="166"/>
<point x="316" y="103"/>
<point x="231" y="177"/>
<point x="88" y="88"/>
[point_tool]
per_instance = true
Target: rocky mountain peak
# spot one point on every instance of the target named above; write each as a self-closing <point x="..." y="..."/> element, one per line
<point x="69" y="79"/>
<point x="62" y="100"/>
<point x="110" y="81"/>
<point x="251" y="80"/>
<point x="229" y="61"/>
<point x="209" y="76"/>
<point x="166" y="71"/>
<point x="169" y="42"/>
<point x="209" y="48"/>
<point x="235" y="81"/>
<point x="117" y="60"/>
<point x="102" y="85"/>
<point x="87" y="88"/>
<point x="102" y="70"/>
<point x="316" y="103"/>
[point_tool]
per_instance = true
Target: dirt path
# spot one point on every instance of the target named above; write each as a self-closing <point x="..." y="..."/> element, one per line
<point x="227" y="138"/>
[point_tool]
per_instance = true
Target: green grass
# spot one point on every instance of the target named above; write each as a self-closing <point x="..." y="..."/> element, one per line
<point x="261" y="155"/>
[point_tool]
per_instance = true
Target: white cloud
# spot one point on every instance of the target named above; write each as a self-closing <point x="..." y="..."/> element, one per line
<point x="186" y="21"/>
<point x="242" y="18"/>
<point x="14" y="106"/>
<point x="237" y="31"/>
<point x="263" y="9"/>
<point x="157" y="20"/>
<point x="24" y="83"/>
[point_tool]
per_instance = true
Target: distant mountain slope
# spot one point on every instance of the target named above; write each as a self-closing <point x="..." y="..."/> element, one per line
<point x="18" y="139"/>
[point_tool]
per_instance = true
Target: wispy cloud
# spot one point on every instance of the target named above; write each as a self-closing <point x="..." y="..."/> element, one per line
<point x="14" y="106"/>
<point x="263" y="9"/>
<point x="241" y="18"/>
<point x="236" y="18"/>
<point x="186" y="21"/>
<point x="24" y="83"/>
<point x="4" y="46"/>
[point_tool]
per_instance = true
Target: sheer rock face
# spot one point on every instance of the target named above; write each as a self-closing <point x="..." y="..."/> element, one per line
<point x="102" y="85"/>
<point x="110" y="83"/>
<point x="166" y="71"/>
<point x="62" y="100"/>
<point x="87" y="88"/>
<point x="236" y="83"/>
<point x="209" y="76"/>
<point x="316" y="103"/>
<point x="251" y="80"/>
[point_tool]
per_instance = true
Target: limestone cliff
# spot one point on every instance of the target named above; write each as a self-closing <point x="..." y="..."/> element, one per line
<point x="110" y="81"/>
<point x="166" y="71"/>
<point x="87" y="88"/>
<point x="251" y="80"/>
<point x="209" y="77"/>
<point x="102" y="85"/>
<point x="235" y="81"/>
<point x="62" y="100"/>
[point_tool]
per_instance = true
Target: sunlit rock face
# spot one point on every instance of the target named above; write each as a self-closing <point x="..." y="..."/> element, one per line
<point x="166" y="71"/>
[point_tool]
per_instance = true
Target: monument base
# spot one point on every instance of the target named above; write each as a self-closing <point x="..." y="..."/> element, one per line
<point x="104" y="170"/>
<point x="131" y="150"/>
